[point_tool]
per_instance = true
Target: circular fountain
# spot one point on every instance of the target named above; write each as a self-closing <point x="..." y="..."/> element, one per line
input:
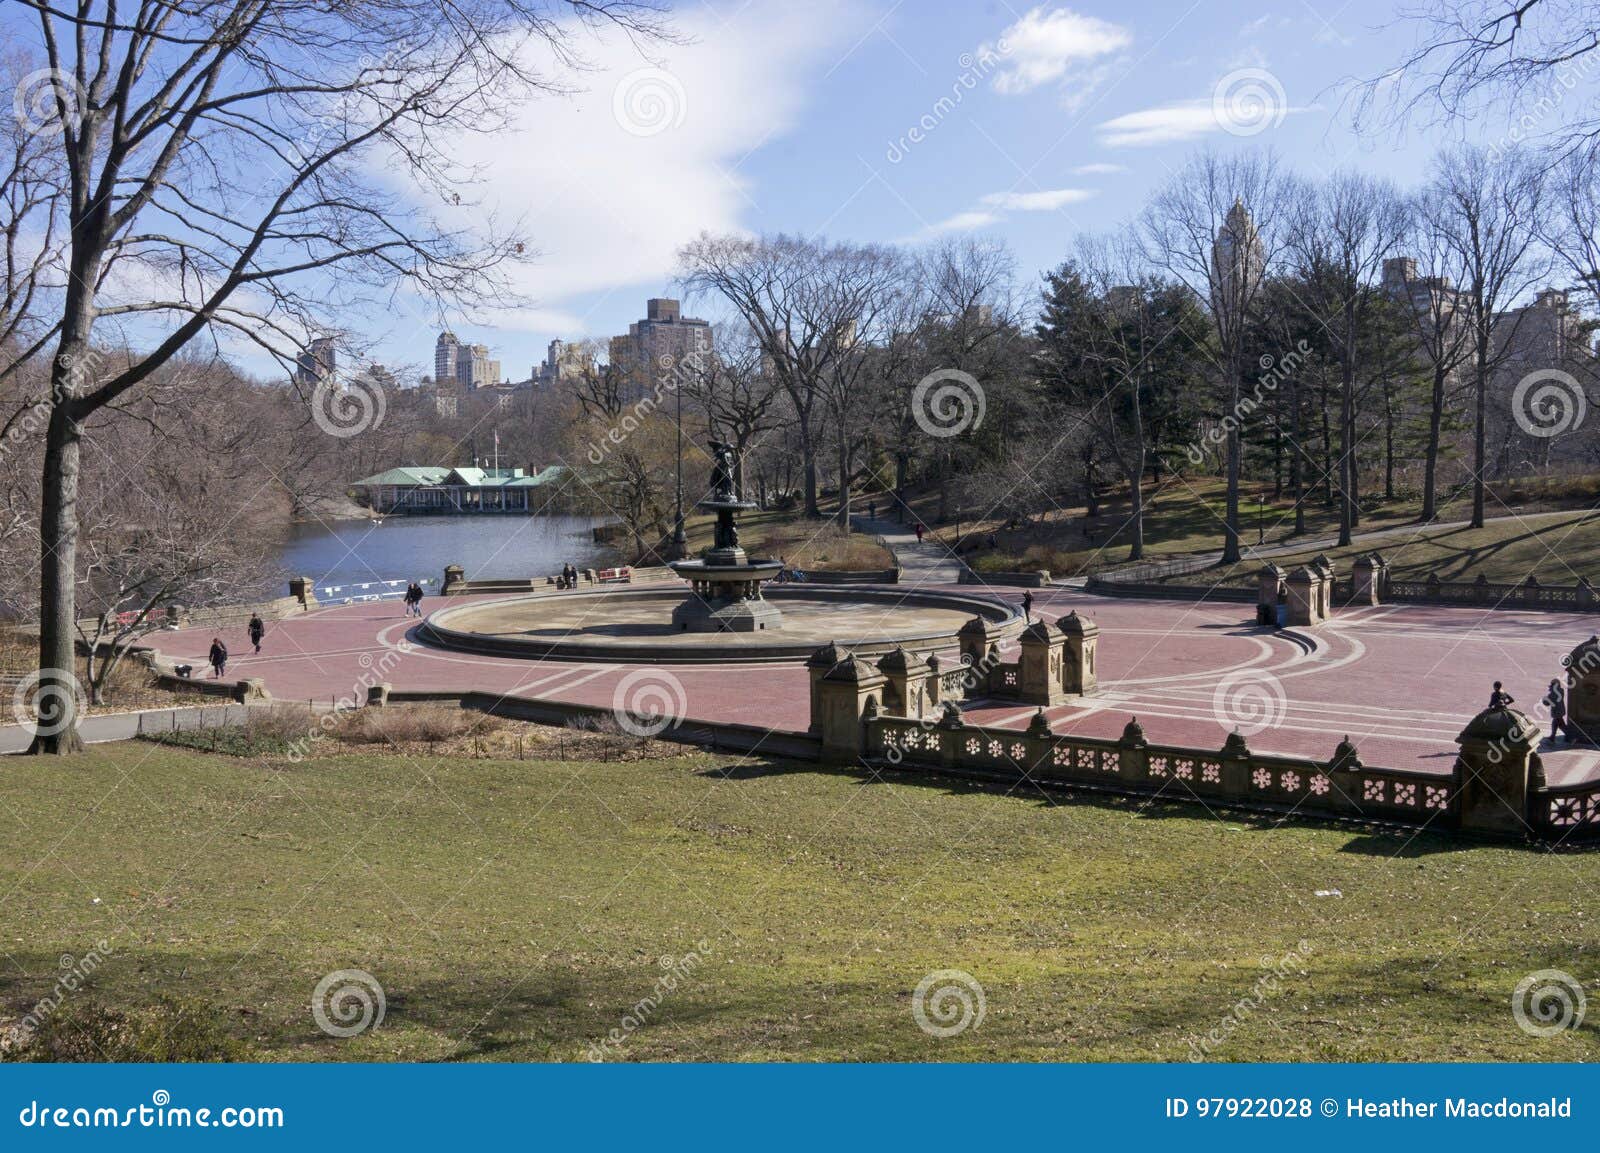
<point x="724" y="583"/>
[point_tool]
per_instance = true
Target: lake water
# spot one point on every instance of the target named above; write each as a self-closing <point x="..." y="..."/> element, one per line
<point x="350" y="553"/>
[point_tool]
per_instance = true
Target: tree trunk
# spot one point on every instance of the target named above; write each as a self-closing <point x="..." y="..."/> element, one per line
<point x="1347" y="465"/>
<point x="1430" y="468"/>
<point x="808" y="463"/>
<point x="1230" y="544"/>
<point x="57" y="731"/>
<point x="1136" y="501"/>
<point x="844" y="476"/>
<point x="1478" y="432"/>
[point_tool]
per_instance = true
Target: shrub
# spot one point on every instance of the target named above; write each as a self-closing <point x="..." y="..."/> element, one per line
<point x="404" y="724"/>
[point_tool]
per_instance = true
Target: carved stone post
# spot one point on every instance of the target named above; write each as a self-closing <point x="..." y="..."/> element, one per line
<point x="1583" y="691"/>
<point x="1269" y="593"/>
<point x="1235" y="757"/>
<point x="1134" y="756"/>
<point x="378" y="695"/>
<point x="1381" y="564"/>
<point x="454" y="577"/>
<point x="843" y="693"/>
<point x="1365" y="576"/>
<point x="817" y="665"/>
<point x="979" y="641"/>
<point x="1079" y="664"/>
<point x="906" y="692"/>
<point x="1324" y="569"/>
<point x="1304" y="587"/>
<point x="1039" y="675"/>
<point x="1493" y="772"/>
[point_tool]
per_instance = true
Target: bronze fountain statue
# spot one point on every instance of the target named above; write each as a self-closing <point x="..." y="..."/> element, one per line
<point x="725" y="583"/>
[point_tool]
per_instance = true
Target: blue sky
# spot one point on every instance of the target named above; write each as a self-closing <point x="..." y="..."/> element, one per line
<point x="776" y="120"/>
<point x="892" y="121"/>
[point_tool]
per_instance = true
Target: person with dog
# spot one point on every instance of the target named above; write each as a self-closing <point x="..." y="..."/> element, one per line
<point x="218" y="657"/>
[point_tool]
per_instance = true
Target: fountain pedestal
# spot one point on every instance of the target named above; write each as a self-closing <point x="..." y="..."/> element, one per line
<point x="725" y="584"/>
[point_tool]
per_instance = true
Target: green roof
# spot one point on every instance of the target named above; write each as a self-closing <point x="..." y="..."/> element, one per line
<point x="408" y="474"/>
<point x="469" y="477"/>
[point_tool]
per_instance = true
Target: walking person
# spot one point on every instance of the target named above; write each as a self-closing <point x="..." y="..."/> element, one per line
<point x="257" y="629"/>
<point x="919" y="528"/>
<point x="416" y="598"/>
<point x="218" y="657"/>
<point x="1027" y="607"/>
<point x="1499" y="699"/>
<point x="1556" y="700"/>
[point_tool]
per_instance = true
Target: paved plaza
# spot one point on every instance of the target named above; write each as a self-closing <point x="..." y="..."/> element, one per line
<point x="1400" y="681"/>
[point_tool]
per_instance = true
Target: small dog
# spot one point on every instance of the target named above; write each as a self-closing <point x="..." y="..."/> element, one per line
<point x="183" y="670"/>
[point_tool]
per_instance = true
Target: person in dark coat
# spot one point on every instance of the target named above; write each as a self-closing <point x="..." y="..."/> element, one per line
<point x="1027" y="606"/>
<point x="919" y="529"/>
<point x="1556" y="700"/>
<point x="218" y="657"/>
<point x="1499" y="699"/>
<point x="257" y="629"/>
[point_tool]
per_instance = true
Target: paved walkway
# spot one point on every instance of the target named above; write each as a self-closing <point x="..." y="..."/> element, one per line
<point x="927" y="563"/>
<point x="125" y="726"/>
<point x="1402" y="681"/>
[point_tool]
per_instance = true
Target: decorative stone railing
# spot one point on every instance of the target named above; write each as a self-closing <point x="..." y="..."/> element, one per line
<point x="1493" y="789"/>
<point x="1486" y="594"/>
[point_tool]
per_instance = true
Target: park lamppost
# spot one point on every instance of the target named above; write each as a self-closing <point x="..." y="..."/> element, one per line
<point x="680" y="539"/>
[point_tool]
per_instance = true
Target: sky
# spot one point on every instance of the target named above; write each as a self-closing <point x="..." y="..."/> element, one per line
<point x="902" y="121"/>
<point x="895" y="121"/>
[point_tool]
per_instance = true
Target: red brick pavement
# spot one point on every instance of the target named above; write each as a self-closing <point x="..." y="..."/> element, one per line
<point x="1400" y="681"/>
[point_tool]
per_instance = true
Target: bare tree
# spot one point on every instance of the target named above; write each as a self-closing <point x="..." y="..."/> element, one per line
<point x="1339" y="233"/>
<point x="803" y="300"/>
<point x="1473" y="58"/>
<point x="224" y="151"/>
<point x="1439" y="324"/>
<point x="1216" y="227"/>
<point x="1489" y="209"/>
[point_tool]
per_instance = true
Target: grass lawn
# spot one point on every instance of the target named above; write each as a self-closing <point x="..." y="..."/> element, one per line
<point x="519" y="909"/>
<point x="1557" y="548"/>
<point x="1186" y="515"/>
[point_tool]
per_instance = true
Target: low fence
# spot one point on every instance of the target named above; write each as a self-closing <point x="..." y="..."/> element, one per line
<point x="1233" y="777"/>
<point x="1482" y="593"/>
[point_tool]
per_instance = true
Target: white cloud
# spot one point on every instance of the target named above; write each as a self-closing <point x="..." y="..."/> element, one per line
<point x="1046" y="201"/>
<point x="961" y="222"/>
<point x="1164" y="125"/>
<point x="1043" y="46"/>
<point x="1099" y="169"/>
<point x="1191" y="119"/>
<point x="611" y="181"/>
